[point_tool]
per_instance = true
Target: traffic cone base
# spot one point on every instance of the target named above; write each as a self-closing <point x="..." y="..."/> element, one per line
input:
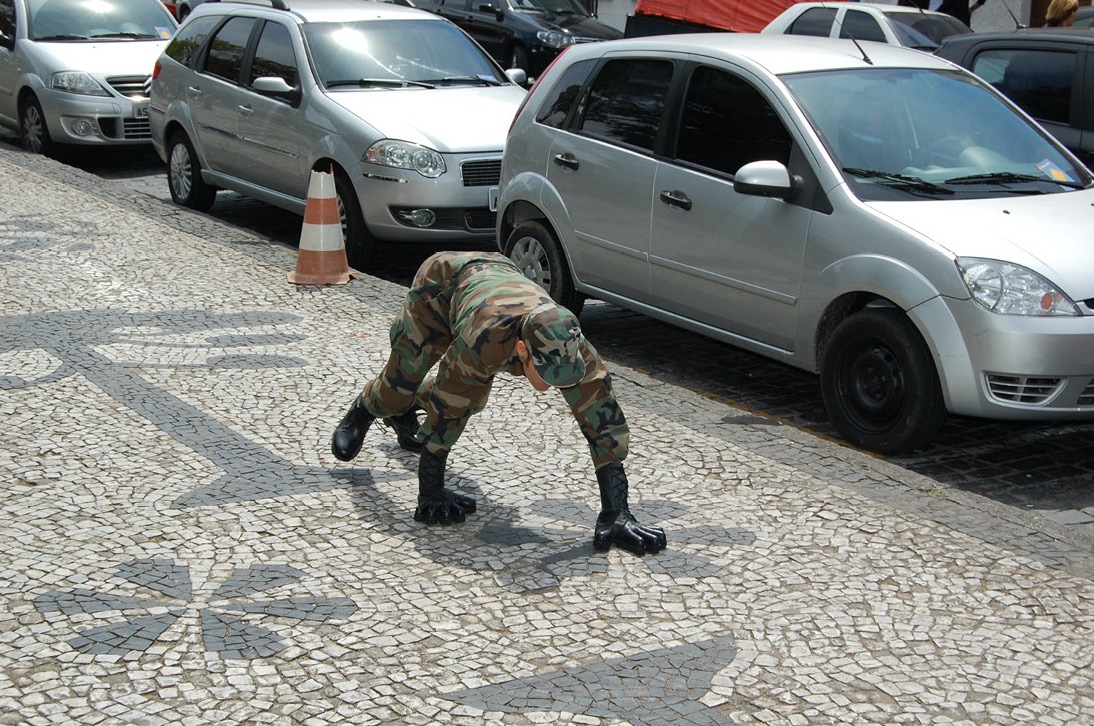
<point x="321" y="259"/>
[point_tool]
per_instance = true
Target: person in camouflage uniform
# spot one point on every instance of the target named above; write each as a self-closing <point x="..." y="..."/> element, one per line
<point x="474" y="315"/>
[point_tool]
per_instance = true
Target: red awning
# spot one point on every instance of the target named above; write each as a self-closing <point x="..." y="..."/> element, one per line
<point x="742" y="16"/>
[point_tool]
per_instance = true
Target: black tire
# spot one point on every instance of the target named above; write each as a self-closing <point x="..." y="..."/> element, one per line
<point x="519" y="58"/>
<point x="33" y="131"/>
<point x="359" y="243"/>
<point x="188" y="189"/>
<point x="536" y="251"/>
<point x="879" y="383"/>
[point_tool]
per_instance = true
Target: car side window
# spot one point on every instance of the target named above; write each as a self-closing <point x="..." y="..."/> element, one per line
<point x="7" y="18"/>
<point x="1039" y="81"/>
<point x="726" y="123"/>
<point x="562" y="98"/>
<point x="274" y="55"/>
<point x="860" y="26"/>
<point x="189" y="39"/>
<point x="626" y="101"/>
<point x="814" y="21"/>
<point x="227" y="49"/>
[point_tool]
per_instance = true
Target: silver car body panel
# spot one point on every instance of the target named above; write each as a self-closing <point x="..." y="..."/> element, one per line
<point x="761" y="273"/>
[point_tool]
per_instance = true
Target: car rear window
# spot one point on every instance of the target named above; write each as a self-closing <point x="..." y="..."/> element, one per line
<point x="1037" y="80"/>
<point x="189" y="39"/>
<point x="626" y="101"/>
<point x="563" y="96"/>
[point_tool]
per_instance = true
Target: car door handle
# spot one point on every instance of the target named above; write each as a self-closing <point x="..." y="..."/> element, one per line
<point x="567" y="160"/>
<point x="246" y="110"/>
<point x="193" y="91"/>
<point x="676" y="199"/>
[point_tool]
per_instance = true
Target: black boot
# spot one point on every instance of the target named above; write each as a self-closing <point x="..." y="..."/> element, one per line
<point x="350" y="434"/>
<point x="616" y="525"/>
<point x="406" y="427"/>
<point x="437" y="505"/>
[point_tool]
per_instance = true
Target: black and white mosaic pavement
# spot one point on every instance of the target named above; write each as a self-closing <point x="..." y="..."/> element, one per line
<point x="179" y="547"/>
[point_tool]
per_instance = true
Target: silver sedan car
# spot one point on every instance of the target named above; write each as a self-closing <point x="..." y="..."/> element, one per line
<point x="864" y="211"/>
<point x="407" y="111"/>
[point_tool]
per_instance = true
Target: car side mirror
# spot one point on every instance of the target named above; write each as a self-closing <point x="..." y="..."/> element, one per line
<point x="517" y="76"/>
<point x="765" y="179"/>
<point x="276" y="86"/>
<point x="491" y="8"/>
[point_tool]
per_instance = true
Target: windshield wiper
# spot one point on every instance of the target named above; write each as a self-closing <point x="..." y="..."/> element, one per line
<point x="476" y="80"/>
<point x="125" y="35"/>
<point x="1006" y="177"/>
<point x="64" y="36"/>
<point x="899" y="179"/>
<point x="392" y="82"/>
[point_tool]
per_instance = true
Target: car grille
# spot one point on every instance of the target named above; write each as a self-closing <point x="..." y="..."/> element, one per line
<point x="480" y="218"/>
<point x="1026" y="390"/>
<point x="137" y="129"/>
<point x="485" y="173"/>
<point x="1086" y="398"/>
<point x="131" y="86"/>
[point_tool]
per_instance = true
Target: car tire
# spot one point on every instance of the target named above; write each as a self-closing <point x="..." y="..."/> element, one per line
<point x="187" y="187"/>
<point x="519" y="58"/>
<point x="33" y="131"/>
<point x="537" y="252"/>
<point x="879" y="383"/>
<point x="359" y="243"/>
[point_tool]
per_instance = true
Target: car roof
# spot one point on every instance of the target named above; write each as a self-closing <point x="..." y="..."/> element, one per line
<point x="327" y="10"/>
<point x="1075" y="35"/>
<point x="868" y="7"/>
<point x="775" y="54"/>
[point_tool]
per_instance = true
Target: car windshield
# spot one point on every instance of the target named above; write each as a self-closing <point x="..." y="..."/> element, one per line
<point x="923" y="31"/>
<point x="397" y="53"/>
<point x="77" y="20"/>
<point x="917" y="133"/>
<point x="557" y="7"/>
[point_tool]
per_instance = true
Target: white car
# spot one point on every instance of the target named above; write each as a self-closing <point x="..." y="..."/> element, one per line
<point x="77" y="72"/>
<point x="406" y="110"/>
<point x="892" y="24"/>
<point x="870" y="213"/>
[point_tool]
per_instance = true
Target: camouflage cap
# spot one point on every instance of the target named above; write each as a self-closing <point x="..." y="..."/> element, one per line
<point x="553" y="337"/>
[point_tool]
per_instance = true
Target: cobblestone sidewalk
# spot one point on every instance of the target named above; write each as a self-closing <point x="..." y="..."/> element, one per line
<point x="179" y="547"/>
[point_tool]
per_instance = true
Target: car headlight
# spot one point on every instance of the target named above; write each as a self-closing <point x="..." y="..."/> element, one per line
<point x="554" y="39"/>
<point x="403" y="155"/>
<point x="76" y="82"/>
<point x="1008" y="289"/>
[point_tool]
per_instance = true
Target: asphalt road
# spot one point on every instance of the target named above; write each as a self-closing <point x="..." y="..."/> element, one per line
<point x="1044" y="467"/>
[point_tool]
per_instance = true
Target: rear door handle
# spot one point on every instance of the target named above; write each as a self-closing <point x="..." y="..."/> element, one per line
<point x="246" y="110"/>
<point x="567" y="160"/>
<point x="676" y="199"/>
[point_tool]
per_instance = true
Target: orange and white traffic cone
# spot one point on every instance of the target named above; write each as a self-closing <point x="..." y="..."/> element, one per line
<point x="321" y="259"/>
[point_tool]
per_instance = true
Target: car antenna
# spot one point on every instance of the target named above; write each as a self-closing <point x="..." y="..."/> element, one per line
<point x="849" y="35"/>
<point x="1017" y="25"/>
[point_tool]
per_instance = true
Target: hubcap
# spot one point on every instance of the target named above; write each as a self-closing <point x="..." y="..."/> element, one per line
<point x="876" y="387"/>
<point x="32" y="130"/>
<point x="528" y="254"/>
<point x="181" y="183"/>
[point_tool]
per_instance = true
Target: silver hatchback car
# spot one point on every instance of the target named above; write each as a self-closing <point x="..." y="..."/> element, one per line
<point x="867" y="212"/>
<point x="408" y="112"/>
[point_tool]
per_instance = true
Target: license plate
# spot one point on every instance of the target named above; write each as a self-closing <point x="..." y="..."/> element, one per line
<point x="492" y="195"/>
<point x="140" y="111"/>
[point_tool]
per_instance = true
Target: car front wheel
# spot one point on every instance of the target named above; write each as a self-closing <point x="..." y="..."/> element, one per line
<point x="538" y="254"/>
<point x="360" y="245"/>
<point x="879" y="383"/>
<point x="188" y="189"/>
<point x="33" y="132"/>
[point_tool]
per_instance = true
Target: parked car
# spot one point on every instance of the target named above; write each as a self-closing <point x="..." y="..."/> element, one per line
<point x="183" y="8"/>
<point x="870" y="213"/>
<point x="409" y="113"/>
<point x="892" y="24"/>
<point x="525" y="34"/>
<point x="1046" y="71"/>
<point x="74" y="72"/>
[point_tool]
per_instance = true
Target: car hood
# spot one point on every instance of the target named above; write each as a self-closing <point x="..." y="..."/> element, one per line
<point x="1049" y="234"/>
<point x="108" y="58"/>
<point x="578" y="25"/>
<point x="449" y="120"/>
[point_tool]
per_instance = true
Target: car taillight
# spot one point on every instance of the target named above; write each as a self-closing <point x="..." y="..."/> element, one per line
<point x="156" y="71"/>
<point x="520" y="108"/>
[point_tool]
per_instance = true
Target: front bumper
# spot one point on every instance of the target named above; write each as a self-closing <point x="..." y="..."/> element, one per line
<point x="95" y="121"/>
<point x="1012" y="367"/>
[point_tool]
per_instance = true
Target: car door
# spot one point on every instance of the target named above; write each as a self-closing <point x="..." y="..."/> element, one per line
<point x="214" y="97"/>
<point x="272" y="134"/>
<point x="485" y="26"/>
<point x="9" y="66"/>
<point x="718" y="257"/>
<point x="604" y="169"/>
<point x="1044" y="80"/>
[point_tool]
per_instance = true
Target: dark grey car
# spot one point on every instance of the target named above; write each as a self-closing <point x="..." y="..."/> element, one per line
<point x="1048" y="72"/>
